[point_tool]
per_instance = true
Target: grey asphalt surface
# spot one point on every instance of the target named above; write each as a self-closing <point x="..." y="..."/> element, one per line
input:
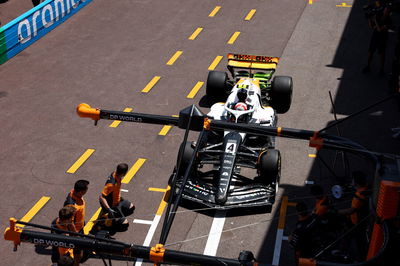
<point x="107" y="53"/>
<point x="11" y="9"/>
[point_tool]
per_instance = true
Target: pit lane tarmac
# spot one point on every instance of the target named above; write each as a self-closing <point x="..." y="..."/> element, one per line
<point x="150" y="56"/>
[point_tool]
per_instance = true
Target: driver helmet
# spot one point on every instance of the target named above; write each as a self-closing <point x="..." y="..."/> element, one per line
<point x="241" y="106"/>
<point x="242" y="95"/>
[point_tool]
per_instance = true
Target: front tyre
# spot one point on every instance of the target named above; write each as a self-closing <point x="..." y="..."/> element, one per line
<point x="270" y="167"/>
<point x="186" y="150"/>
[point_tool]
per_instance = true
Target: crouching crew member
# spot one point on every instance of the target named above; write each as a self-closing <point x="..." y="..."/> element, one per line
<point x="303" y="237"/>
<point x="113" y="205"/>
<point x="63" y="222"/>
<point x="358" y="214"/>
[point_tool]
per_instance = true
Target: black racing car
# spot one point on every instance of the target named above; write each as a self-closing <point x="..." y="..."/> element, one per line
<point x="222" y="185"/>
<point x="215" y="177"/>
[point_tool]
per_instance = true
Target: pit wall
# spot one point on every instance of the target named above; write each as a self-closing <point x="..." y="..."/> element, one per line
<point x="18" y="34"/>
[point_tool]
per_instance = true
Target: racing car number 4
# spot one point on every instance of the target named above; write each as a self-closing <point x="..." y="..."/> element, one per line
<point x="230" y="147"/>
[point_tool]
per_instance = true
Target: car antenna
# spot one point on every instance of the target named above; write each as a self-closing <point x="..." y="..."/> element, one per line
<point x="343" y="154"/>
<point x="359" y="112"/>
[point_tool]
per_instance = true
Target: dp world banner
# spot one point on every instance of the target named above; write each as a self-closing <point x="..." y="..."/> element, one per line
<point x="34" y="24"/>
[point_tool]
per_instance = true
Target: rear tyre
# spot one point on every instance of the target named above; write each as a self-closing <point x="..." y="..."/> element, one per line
<point x="281" y="93"/>
<point x="270" y="167"/>
<point x="216" y="89"/>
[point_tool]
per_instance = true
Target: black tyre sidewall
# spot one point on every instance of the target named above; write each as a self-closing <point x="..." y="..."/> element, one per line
<point x="281" y="93"/>
<point x="270" y="166"/>
<point x="216" y="85"/>
<point x="187" y="150"/>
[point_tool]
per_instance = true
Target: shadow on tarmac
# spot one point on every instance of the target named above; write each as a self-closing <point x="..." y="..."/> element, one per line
<point x="371" y="129"/>
<point x="357" y="90"/>
<point x="328" y="170"/>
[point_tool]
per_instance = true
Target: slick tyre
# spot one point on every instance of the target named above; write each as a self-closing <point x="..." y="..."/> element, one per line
<point x="281" y="93"/>
<point x="171" y="179"/>
<point x="216" y="89"/>
<point x="270" y="167"/>
<point x="186" y="151"/>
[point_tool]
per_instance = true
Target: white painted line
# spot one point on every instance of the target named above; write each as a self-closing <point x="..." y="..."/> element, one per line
<point x="124" y="190"/>
<point x="215" y="233"/>
<point x="149" y="236"/>
<point x="285" y="238"/>
<point x="278" y="245"/>
<point x="152" y="230"/>
<point x="139" y="221"/>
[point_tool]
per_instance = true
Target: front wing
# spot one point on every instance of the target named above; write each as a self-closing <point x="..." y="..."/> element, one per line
<point x="250" y="195"/>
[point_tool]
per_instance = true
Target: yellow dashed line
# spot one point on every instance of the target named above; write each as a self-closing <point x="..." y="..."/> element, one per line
<point x="151" y="84"/>
<point x="80" y="161"/>
<point x="34" y="210"/>
<point x="234" y="37"/>
<point x="195" y="89"/>
<point x="174" y="57"/>
<point x="195" y="33"/>
<point x="250" y="14"/>
<point x="344" y="5"/>
<point x="215" y="62"/>
<point x="312" y="155"/>
<point x="90" y="224"/>
<point x="157" y="189"/>
<point x="282" y="213"/>
<point x="131" y="173"/>
<point x="117" y="122"/>
<point x="164" y="131"/>
<point x="215" y="11"/>
<point x="163" y="201"/>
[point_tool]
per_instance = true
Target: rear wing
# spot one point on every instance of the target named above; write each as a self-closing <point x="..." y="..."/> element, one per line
<point x="252" y="61"/>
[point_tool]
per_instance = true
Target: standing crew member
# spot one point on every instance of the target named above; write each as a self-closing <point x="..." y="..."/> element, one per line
<point x="358" y="211"/>
<point x="63" y="222"/>
<point x="75" y="200"/>
<point x="321" y="202"/>
<point x="380" y="22"/>
<point x="111" y="201"/>
<point x="326" y="215"/>
<point x="359" y="203"/>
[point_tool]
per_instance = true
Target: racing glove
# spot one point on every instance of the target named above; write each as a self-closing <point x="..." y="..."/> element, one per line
<point x="111" y="213"/>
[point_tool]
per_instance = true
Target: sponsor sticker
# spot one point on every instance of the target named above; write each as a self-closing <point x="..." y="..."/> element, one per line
<point x="252" y="58"/>
<point x="230" y="147"/>
<point x="125" y="118"/>
<point x="53" y="243"/>
<point x="20" y="33"/>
